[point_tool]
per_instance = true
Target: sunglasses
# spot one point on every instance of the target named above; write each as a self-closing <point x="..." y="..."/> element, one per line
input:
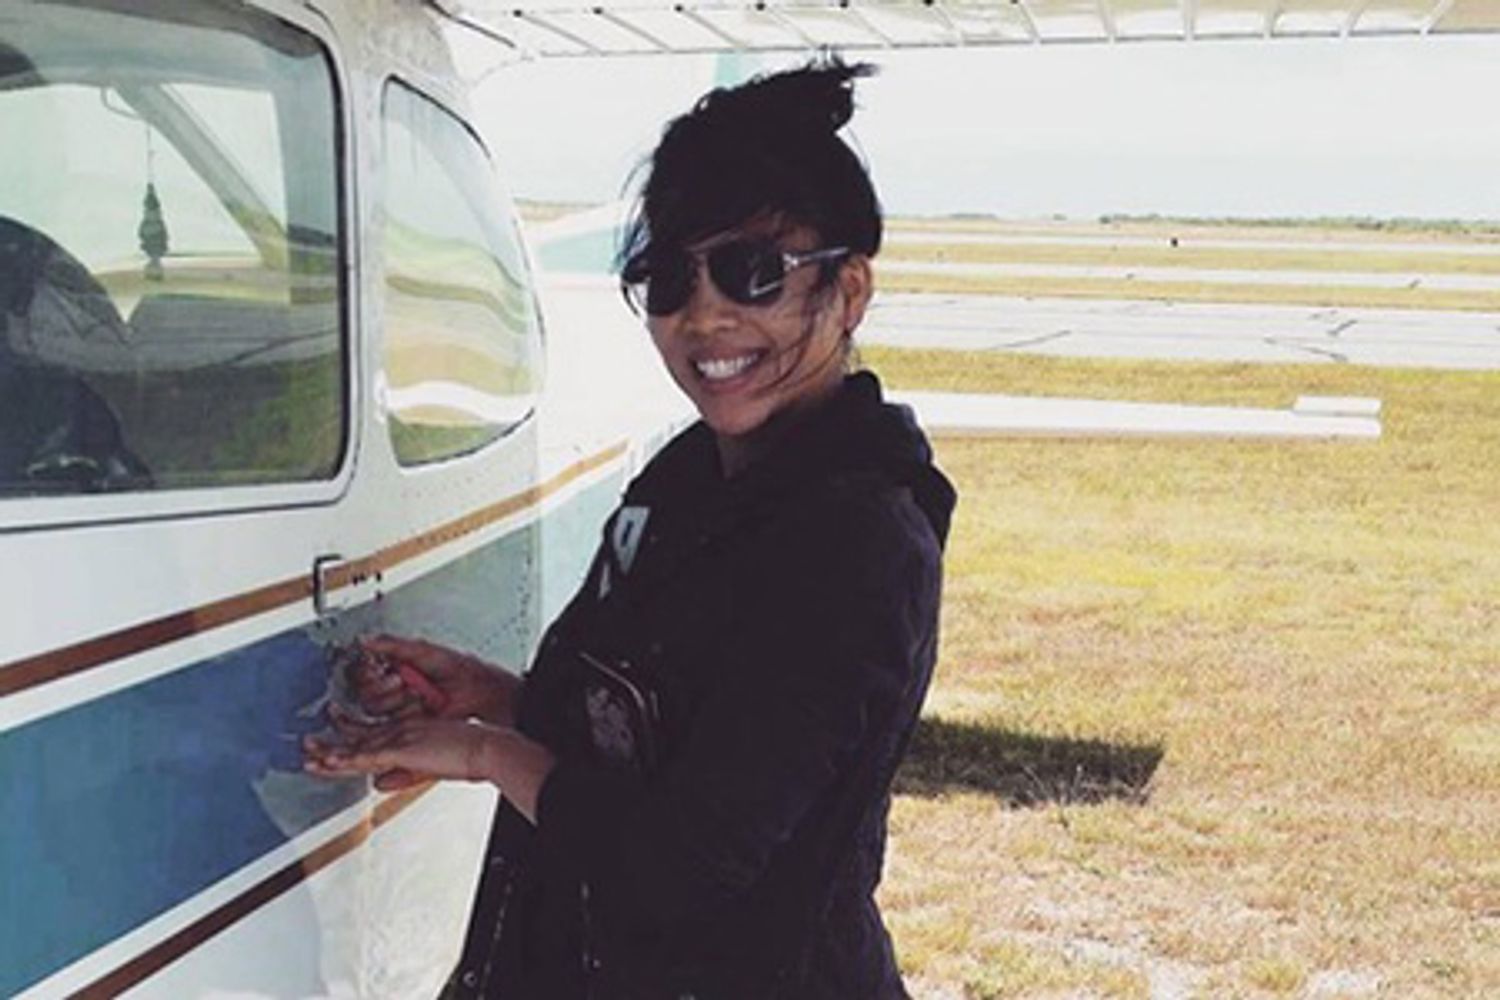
<point x="751" y="272"/>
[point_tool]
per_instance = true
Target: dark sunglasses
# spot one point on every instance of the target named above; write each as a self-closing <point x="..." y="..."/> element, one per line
<point x="751" y="272"/>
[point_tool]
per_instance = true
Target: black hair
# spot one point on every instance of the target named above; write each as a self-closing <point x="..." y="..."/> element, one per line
<point x="766" y="148"/>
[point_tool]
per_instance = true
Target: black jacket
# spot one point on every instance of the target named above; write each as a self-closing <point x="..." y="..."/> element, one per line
<point x="781" y="626"/>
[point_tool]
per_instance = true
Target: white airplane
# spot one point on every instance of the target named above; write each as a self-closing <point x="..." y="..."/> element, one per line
<point x="272" y="377"/>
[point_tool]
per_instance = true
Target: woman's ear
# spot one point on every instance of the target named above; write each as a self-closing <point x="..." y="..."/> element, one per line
<point x="857" y="282"/>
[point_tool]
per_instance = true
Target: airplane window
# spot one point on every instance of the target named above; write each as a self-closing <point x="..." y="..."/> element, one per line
<point x="462" y="340"/>
<point x="169" y="244"/>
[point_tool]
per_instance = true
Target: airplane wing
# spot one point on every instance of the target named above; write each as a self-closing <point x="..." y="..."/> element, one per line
<point x="570" y="28"/>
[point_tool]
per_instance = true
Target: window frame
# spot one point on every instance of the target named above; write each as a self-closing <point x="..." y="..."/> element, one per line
<point x="378" y="286"/>
<point x="49" y="511"/>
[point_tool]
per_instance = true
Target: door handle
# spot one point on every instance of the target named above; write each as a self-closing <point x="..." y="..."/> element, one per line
<point x="339" y="583"/>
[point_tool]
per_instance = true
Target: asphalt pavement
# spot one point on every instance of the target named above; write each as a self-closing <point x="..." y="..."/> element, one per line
<point x="1187" y="331"/>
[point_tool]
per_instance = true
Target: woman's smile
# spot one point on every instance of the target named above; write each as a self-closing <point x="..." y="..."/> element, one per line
<point x="727" y="373"/>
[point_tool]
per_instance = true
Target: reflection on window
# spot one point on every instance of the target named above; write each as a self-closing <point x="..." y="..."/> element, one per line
<point x="462" y="350"/>
<point x="169" y="267"/>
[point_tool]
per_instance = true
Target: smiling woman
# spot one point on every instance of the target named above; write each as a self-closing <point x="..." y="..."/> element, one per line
<point x="750" y="252"/>
<point x="756" y="334"/>
<point x="697" y="767"/>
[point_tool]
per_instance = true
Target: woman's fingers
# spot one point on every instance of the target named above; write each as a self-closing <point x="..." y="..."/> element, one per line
<point x="374" y="680"/>
<point x="395" y="672"/>
<point x="350" y="728"/>
<point x="391" y="700"/>
<point x="433" y="748"/>
<point x="411" y="708"/>
<point x="319" y="757"/>
<point x="381" y="681"/>
<point x="398" y="778"/>
<point x="427" y="657"/>
<point x="433" y="698"/>
<point x="368" y="757"/>
<point x="355" y="735"/>
<point x="388" y="706"/>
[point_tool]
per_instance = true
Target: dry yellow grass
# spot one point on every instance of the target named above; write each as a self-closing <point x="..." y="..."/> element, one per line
<point x="1299" y="646"/>
<point x="1377" y="258"/>
<point x="1317" y="254"/>
<point x="1311" y="231"/>
<point x="893" y="279"/>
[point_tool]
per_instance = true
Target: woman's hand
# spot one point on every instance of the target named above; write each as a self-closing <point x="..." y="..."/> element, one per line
<point x="403" y="752"/>
<point x="416" y="749"/>
<point x="390" y="678"/>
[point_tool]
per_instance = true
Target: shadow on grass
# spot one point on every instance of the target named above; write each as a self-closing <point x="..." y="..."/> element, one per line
<point x="1023" y="770"/>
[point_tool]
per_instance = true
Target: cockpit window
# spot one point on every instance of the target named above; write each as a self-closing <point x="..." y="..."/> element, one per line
<point x="170" y="300"/>
<point x="462" y="360"/>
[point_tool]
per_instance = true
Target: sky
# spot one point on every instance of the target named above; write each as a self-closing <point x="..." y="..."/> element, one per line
<point x="1371" y="127"/>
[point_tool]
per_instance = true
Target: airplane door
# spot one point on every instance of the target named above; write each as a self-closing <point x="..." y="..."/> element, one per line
<point x="448" y="500"/>
<point x="178" y="437"/>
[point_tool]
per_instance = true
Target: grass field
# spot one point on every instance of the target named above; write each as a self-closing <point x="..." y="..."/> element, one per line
<point x="1210" y="719"/>
<point x="1376" y="259"/>
<point x="1213" y="259"/>
<point x="892" y="279"/>
<point x="1339" y="229"/>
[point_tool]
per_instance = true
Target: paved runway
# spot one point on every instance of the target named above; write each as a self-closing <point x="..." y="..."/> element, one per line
<point x="1141" y="328"/>
<point x="1189" y="331"/>
<point x="604" y="379"/>
<point x="1222" y="276"/>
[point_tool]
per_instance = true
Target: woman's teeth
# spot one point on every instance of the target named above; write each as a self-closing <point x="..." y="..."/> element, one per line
<point x="719" y="369"/>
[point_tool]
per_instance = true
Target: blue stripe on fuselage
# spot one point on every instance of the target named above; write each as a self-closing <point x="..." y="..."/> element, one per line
<point x="121" y="808"/>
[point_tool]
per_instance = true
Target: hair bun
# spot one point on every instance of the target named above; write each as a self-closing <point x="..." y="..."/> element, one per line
<point x="817" y="98"/>
<point x="766" y="148"/>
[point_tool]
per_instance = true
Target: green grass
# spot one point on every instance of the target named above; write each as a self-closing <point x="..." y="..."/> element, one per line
<point x="1305" y="636"/>
<point x="1202" y="247"/>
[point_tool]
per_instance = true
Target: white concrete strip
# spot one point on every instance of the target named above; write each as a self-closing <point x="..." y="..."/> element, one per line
<point x="1337" y="406"/>
<point x="1047" y="417"/>
<point x="1280" y="278"/>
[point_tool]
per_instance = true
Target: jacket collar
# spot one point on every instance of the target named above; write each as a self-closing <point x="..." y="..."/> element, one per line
<point x="854" y="431"/>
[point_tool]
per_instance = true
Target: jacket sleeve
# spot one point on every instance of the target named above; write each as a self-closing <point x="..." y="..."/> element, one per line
<point x="832" y="643"/>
